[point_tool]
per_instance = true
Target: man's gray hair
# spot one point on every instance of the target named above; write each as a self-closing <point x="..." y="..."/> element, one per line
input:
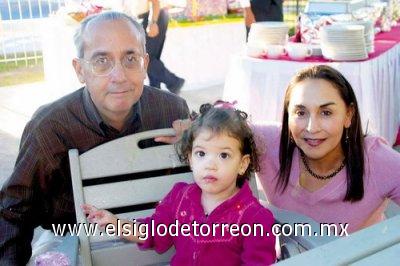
<point x="107" y="16"/>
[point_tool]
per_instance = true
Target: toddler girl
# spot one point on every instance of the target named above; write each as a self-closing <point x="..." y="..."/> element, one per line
<point x="220" y="221"/>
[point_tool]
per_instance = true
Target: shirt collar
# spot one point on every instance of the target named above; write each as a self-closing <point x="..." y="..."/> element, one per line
<point x="91" y="110"/>
<point x="240" y="199"/>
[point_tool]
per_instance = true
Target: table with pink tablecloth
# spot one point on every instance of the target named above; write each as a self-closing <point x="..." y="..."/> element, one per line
<point x="259" y="84"/>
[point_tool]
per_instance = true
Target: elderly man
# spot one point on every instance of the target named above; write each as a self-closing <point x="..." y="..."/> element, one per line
<point x="112" y="62"/>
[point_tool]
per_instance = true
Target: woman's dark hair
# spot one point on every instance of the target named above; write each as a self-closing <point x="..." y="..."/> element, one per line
<point x="221" y="120"/>
<point x="352" y="147"/>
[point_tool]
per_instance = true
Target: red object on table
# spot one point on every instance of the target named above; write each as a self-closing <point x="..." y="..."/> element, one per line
<point x="398" y="139"/>
<point x="383" y="42"/>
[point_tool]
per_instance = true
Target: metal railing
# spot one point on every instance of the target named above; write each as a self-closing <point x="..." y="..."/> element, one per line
<point x="21" y="21"/>
<point x="291" y="10"/>
<point x="20" y="24"/>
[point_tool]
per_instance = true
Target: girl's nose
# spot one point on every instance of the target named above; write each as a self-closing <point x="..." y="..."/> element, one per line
<point x="211" y="163"/>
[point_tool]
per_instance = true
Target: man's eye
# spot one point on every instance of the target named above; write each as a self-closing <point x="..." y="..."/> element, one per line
<point x="132" y="58"/>
<point x="101" y="60"/>
<point x="224" y="155"/>
<point x="200" y="153"/>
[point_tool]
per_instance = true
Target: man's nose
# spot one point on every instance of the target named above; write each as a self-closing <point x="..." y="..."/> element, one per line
<point x="118" y="74"/>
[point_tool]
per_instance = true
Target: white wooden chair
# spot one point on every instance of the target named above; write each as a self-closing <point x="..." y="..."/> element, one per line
<point x="376" y="245"/>
<point x="103" y="177"/>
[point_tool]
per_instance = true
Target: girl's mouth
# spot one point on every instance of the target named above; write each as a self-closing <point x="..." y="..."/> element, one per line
<point x="210" y="179"/>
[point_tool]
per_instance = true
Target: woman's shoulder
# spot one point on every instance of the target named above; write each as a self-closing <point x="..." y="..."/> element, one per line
<point x="378" y="149"/>
<point x="382" y="162"/>
<point x="267" y="134"/>
<point x="268" y="128"/>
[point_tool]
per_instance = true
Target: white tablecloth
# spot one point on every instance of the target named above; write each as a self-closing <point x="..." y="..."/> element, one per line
<point x="259" y="86"/>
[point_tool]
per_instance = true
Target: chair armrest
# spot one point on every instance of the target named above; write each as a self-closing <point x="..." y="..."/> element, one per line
<point x="70" y="247"/>
<point x="312" y="238"/>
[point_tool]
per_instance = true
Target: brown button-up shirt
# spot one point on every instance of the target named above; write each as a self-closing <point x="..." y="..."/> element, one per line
<point x="39" y="191"/>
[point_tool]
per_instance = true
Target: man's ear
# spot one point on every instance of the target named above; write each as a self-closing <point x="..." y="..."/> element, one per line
<point x="146" y="61"/>
<point x="78" y="70"/>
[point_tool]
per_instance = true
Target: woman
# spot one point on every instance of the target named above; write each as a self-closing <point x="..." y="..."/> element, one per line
<point x="319" y="163"/>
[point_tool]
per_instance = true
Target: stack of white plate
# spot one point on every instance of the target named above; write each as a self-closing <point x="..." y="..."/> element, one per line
<point x="369" y="32"/>
<point x="343" y="42"/>
<point x="271" y="32"/>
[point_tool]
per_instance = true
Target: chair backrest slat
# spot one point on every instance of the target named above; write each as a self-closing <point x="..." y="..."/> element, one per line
<point x="108" y="161"/>
<point x="133" y="192"/>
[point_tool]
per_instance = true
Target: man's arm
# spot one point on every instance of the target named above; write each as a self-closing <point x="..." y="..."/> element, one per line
<point x="18" y="218"/>
<point x="152" y="27"/>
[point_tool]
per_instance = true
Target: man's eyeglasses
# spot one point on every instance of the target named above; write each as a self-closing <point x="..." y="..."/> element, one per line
<point x="103" y="65"/>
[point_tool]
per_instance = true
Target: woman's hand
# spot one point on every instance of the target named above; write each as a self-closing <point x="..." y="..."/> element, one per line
<point x="101" y="217"/>
<point x="179" y="126"/>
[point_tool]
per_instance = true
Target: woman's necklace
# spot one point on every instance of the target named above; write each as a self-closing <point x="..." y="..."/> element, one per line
<point x="321" y="177"/>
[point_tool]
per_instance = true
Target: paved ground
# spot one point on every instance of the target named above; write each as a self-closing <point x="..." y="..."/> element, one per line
<point x="18" y="103"/>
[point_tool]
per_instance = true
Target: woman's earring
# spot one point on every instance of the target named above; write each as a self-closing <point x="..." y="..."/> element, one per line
<point x="347" y="135"/>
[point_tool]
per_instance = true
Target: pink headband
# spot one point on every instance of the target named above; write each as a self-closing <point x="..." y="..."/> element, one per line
<point x="225" y="105"/>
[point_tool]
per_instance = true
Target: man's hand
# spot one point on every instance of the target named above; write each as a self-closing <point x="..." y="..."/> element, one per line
<point x="152" y="30"/>
<point x="179" y="126"/>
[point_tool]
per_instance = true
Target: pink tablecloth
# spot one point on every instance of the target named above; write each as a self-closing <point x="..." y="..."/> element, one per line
<point x="383" y="42"/>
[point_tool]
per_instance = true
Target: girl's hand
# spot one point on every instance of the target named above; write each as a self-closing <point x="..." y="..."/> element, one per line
<point x="179" y="126"/>
<point x="101" y="217"/>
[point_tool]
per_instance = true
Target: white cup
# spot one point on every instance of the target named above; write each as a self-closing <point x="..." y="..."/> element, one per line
<point x="298" y="51"/>
<point x="274" y="51"/>
<point x="254" y="51"/>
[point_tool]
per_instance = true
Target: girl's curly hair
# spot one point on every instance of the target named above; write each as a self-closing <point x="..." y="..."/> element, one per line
<point x="225" y="120"/>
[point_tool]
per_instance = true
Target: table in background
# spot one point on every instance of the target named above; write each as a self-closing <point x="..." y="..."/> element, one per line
<point x="259" y="85"/>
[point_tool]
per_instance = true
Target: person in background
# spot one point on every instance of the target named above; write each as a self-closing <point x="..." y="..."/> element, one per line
<point x="261" y="10"/>
<point x="111" y="62"/>
<point x="155" y="22"/>
<point x="220" y="149"/>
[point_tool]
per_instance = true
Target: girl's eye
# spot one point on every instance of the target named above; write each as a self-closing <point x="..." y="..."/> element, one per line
<point x="200" y="153"/>
<point x="300" y="113"/>
<point x="224" y="155"/>
<point x="326" y="113"/>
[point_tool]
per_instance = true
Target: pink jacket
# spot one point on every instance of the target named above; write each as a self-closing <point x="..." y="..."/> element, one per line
<point x="184" y="205"/>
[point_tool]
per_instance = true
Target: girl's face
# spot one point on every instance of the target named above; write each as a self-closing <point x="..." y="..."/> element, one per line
<point x="317" y="116"/>
<point x="216" y="162"/>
